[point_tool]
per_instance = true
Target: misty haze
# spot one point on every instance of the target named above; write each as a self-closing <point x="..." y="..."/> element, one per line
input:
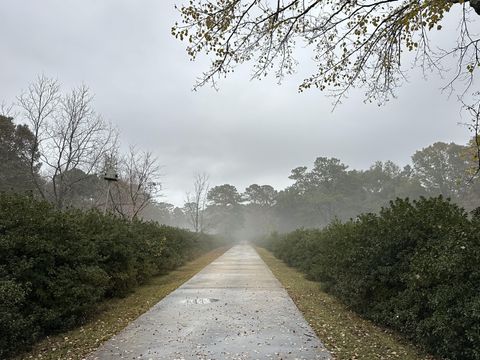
<point x="234" y="179"/>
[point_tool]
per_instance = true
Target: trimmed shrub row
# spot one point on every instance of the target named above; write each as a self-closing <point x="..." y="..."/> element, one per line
<point x="55" y="267"/>
<point x="414" y="267"/>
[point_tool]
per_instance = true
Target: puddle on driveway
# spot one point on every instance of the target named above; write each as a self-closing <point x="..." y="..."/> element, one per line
<point x="200" y="301"/>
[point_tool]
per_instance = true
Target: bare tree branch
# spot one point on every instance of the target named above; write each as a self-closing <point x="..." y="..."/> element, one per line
<point x="196" y="202"/>
<point x="139" y="183"/>
<point x="359" y="43"/>
<point x="69" y="135"/>
<point x="39" y="104"/>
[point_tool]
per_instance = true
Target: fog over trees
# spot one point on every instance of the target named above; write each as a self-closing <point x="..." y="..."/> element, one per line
<point x="64" y="149"/>
<point x="329" y="190"/>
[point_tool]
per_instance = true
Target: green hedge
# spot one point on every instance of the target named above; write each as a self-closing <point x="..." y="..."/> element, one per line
<point x="55" y="267"/>
<point x="414" y="267"/>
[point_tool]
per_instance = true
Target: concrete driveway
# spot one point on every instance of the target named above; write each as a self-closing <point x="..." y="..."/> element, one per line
<point x="233" y="309"/>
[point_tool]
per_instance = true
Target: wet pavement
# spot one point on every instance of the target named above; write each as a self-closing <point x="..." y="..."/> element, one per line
<point x="233" y="309"/>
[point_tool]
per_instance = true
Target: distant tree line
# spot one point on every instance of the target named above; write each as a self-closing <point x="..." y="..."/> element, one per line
<point x="56" y="147"/>
<point x="329" y="190"/>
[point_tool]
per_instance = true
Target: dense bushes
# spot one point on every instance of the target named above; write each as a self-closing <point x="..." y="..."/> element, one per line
<point x="413" y="267"/>
<point x="56" y="266"/>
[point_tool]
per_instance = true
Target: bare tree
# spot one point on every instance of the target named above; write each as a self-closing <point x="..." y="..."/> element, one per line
<point x="39" y="104"/>
<point x="139" y="183"/>
<point x="70" y="136"/>
<point x="78" y="139"/>
<point x="196" y="202"/>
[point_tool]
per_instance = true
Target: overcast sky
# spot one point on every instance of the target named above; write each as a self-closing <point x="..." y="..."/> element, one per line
<point x="248" y="132"/>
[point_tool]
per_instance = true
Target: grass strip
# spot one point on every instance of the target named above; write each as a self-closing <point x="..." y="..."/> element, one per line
<point x="345" y="334"/>
<point x="115" y="314"/>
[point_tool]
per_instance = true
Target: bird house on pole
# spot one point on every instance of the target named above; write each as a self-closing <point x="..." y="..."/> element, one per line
<point x="110" y="175"/>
